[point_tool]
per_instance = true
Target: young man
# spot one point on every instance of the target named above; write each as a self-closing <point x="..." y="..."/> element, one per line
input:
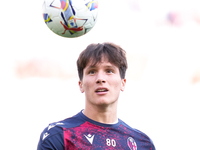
<point x="101" y="69"/>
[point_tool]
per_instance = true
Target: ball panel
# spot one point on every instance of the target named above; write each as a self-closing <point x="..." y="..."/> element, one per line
<point x="70" y="18"/>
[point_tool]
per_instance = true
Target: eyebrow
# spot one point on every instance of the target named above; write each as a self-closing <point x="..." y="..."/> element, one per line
<point x="107" y="66"/>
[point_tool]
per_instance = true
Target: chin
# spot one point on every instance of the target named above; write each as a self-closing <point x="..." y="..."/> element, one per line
<point x="105" y="102"/>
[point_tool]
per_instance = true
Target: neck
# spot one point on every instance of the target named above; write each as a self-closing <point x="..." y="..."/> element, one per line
<point x="104" y="115"/>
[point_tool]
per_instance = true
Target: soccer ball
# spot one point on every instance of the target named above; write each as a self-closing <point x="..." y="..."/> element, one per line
<point x="70" y="18"/>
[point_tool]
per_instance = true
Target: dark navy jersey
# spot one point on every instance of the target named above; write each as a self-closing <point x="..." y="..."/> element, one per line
<point x="82" y="133"/>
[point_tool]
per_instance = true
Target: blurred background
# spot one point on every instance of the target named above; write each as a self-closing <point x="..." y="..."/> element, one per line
<point x="39" y="81"/>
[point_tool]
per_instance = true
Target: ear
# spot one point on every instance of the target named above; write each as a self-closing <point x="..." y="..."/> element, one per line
<point x="81" y="86"/>
<point x="123" y="84"/>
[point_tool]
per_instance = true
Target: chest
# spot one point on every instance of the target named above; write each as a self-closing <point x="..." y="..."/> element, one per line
<point x="102" y="138"/>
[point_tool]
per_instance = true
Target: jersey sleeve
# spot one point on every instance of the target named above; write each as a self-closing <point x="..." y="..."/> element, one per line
<point x="153" y="147"/>
<point x="51" y="140"/>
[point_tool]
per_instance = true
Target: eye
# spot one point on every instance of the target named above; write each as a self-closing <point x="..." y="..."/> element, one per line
<point x="91" y="72"/>
<point x="110" y="71"/>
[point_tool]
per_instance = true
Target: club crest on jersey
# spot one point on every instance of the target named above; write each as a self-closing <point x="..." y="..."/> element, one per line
<point x="131" y="143"/>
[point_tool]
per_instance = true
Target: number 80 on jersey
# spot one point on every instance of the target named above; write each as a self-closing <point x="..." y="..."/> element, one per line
<point x="110" y="142"/>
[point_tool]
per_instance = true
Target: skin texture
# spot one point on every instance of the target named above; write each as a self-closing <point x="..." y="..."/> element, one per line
<point x="101" y="106"/>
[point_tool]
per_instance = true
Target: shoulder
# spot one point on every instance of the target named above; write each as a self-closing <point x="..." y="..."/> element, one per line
<point x="57" y="127"/>
<point x="126" y="126"/>
<point x="138" y="134"/>
<point x="53" y="133"/>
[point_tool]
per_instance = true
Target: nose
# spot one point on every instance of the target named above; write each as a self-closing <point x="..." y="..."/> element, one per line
<point x="100" y="78"/>
<point x="100" y="81"/>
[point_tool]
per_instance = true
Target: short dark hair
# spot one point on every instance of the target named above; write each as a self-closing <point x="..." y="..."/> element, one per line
<point x="94" y="53"/>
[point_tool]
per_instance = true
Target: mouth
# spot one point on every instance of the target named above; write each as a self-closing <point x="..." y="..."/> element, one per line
<point x="101" y="90"/>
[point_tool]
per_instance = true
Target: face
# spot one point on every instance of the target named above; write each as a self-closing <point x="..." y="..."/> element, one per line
<point x="101" y="83"/>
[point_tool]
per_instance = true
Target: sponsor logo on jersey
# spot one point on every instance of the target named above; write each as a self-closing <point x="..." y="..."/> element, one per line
<point x="90" y="138"/>
<point x="131" y="143"/>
